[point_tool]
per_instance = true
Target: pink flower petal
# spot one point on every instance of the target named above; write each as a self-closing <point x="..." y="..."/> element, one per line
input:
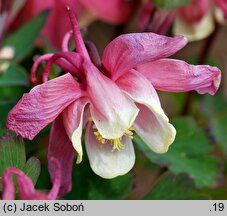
<point x="112" y="112"/>
<point x="73" y="122"/>
<point x="115" y="11"/>
<point x="60" y="148"/>
<point x="57" y="180"/>
<point x="138" y="87"/>
<point x="178" y="76"/>
<point x="131" y="50"/>
<point x="106" y="163"/>
<point x="42" y="105"/>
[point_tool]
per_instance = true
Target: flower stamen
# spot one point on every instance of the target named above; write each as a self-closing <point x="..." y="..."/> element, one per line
<point x="115" y="143"/>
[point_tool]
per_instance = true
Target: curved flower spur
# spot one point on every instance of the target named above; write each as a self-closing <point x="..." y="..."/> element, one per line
<point x="25" y="185"/>
<point x="111" y="98"/>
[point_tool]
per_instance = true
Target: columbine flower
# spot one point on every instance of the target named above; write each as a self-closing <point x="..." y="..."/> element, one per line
<point x="25" y="185"/>
<point x="110" y="98"/>
<point x="155" y="20"/>
<point x="196" y="19"/>
<point x="57" y="24"/>
<point x="115" y="11"/>
<point x="8" y="12"/>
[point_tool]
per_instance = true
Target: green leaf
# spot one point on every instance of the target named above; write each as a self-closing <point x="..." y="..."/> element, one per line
<point x="32" y="168"/>
<point x="174" y="187"/>
<point x="170" y="4"/>
<point x="219" y="129"/>
<point x="188" y="154"/>
<point x="103" y="189"/>
<point x="12" y="154"/>
<point x="216" y="113"/>
<point x="22" y="41"/>
<point x="15" y="75"/>
<point x="9" y="96"/>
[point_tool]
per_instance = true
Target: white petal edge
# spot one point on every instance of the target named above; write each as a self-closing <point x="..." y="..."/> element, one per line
<point x="154" y="130"/>
<point x="75" y="137"/>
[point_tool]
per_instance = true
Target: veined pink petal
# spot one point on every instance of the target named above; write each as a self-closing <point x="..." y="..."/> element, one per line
<point x="154" y="130"/>
<point x="112" y="112"/>
<point x="42" y="105"/>
<point x="60" y="148"/>
<point x="151" y="124"/>
<point x="178" y="76"/>
<point x="116" y="11"/>
<point x="73" y="122"/>
<point x="194" y="11"/>
<point x="106" y="163"/>
<point x="131" y="50"/>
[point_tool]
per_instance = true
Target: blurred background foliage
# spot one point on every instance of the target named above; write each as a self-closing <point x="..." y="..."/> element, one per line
<point x="195" y="167"/>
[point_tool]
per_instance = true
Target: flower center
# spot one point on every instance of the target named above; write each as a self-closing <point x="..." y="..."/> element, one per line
<point x="115" y="143"/>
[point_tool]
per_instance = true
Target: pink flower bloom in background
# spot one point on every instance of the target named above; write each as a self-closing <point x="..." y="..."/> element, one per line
<point x="114" y="11"/>
<point x="8" y="12"/>
<point x="110" y="98"/>
<point x="155" y="20"/>
<point x="25" y="185"/>
<point x="196" y="19"/>
<point x="221" y="11"/>
<point x="57" y="24"/>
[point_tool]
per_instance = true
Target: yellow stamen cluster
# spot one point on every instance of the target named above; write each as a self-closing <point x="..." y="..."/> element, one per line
<point x="115" y="143"/>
